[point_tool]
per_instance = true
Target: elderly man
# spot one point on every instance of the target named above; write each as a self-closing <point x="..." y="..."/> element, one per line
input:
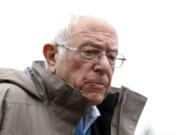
<point x="71" y="94"/>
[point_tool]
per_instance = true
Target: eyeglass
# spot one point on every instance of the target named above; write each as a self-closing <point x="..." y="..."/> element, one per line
<point x="92" y="55"/>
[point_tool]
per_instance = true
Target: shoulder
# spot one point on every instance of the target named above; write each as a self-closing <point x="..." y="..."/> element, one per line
<point x="14" y="94"/>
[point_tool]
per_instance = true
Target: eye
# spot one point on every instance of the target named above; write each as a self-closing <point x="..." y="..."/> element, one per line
<point x="112" y="56"/>
<point x="90" y="53"/>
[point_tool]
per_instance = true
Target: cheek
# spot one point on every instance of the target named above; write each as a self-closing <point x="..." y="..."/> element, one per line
<point x="66" y="68"/>
<point x="76" y="71"/>
<point x="78" y="75"/>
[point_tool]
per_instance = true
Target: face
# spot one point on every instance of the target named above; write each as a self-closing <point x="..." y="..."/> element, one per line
<point x="92" y="79"/>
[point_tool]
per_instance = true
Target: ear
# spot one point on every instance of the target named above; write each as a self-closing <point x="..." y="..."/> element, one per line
<point x="50" y="52"/>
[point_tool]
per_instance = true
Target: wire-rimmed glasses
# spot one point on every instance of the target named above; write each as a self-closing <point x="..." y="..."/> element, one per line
<point x="92" y="55"/>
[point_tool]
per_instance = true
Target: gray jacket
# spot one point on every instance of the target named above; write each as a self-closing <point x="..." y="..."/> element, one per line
<point x="38" y="103"/>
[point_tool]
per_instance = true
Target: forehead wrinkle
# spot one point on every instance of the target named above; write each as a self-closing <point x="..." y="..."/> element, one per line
<point x="92" y="29"/>
<point x="95" y="36"/>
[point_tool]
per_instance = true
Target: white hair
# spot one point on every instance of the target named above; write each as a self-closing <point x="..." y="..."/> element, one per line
<point x="63" y="33"/>
<point x="64" y="30"/>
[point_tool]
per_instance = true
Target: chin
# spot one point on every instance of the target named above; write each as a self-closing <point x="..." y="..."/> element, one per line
<point x="95" y="100"/>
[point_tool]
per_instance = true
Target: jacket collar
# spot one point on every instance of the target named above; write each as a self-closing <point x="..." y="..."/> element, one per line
<point x="55" y="91"/>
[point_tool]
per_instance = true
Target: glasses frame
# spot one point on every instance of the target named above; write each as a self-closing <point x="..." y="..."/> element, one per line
<point x="78" y="50"/>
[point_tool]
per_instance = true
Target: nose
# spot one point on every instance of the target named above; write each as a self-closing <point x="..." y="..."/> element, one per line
<point x="102" y="64"/>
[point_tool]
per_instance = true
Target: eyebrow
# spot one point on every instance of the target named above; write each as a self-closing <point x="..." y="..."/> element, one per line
<point x="89" y="43"/>
<point x="95" y="45"/>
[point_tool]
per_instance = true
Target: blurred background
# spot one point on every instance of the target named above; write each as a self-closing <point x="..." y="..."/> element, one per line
<point x="149" y="37"/>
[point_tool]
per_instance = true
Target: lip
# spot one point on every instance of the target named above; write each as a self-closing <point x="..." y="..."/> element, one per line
<point x="95" y="83"/>
<point x="94" y="87"/>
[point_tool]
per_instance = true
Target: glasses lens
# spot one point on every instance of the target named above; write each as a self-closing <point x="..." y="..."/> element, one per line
<point x="112" y="57"/>
<point x="119" y="61"/>
<point x="89" y="53"/>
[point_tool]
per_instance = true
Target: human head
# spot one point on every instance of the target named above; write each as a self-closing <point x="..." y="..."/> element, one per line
<point x="92" y="79"/>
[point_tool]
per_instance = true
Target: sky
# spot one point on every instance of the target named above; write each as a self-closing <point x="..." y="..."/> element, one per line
<point x="149" y="37"/>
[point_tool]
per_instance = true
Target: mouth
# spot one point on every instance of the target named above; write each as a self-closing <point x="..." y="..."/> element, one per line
<point x="96" y="82"/>
<point x="95" y="86"/>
